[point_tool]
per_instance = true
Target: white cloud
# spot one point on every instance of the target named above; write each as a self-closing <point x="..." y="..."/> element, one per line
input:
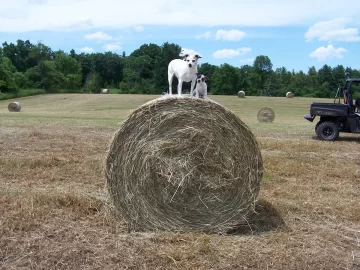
<point x="87" y="50"/>
<point x="189" y="51"/>
<point x="100" y="36"/>
<point x="247" y="60"/>
<point x="327" y="53"/>
<point x="37" y="1"/>
<point x="206" y="35"/>
<point x="112" y="47"/>
<point x="230" y="53"/>
<point x="230" y="35"/>
<point x="333" y="30"/>
<point x="139" y="28"/>
<point x="50" y="15"/>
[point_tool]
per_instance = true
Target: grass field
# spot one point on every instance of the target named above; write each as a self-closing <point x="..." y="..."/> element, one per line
<point x="54" y="212"/>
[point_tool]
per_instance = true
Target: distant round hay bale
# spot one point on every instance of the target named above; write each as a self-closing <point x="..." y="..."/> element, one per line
<point x="183" y="164"/>
<point x="241" y="94"/>
<point x="105" y="91"/>
<point x="289" y="94"/>
<point x="14" y="107"/>
<point x="266" y="114"/>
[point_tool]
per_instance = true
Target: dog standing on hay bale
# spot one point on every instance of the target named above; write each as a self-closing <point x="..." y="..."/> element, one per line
<point x="185" y="70"/>
<point x="169" y="170"/>
<point x="201" y="86"/>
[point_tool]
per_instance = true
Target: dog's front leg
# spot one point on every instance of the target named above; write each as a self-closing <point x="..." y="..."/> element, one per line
<point x="196" y="92"/>
<point x="180" y="87"/>
<point x="192" y="87"/>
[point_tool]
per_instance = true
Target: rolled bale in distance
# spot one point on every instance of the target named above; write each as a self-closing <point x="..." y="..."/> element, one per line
<point x="14" y="107"/>
<point x="266" y="114"/>
<point x="105" y="91"/>
<point x="289" y="94"/>
<point x="183" y="164"/>
<point x="241" y="94"/>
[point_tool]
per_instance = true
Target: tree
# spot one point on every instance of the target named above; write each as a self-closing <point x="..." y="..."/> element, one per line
<point x="45" y="76"/>
<point x="19" y="54"/>
<point x="263" y="67"/>
<point x="93" y="82"/>
<point x="169" y="52"/>
<point x="41" y="52"/>
<point x="7" y="78"/>
<point x="71" y="70"/>
<point x="225" y="80"/>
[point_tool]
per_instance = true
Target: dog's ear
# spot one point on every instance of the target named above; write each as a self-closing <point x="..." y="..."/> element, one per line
<point x="197" y="73"/>
<point x="206" y="78"/>
<point x="197" y="56"/>
<point x="185" y="55"/>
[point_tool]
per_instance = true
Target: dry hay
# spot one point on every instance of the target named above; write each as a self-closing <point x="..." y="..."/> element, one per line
<point x="241" y="94"/>
<point x="266" y="114"/>
<point x="14" y="107"/>
<point x="105" y="91"/>
<point x="183" y="164"/>
<point x="289" y="94"/>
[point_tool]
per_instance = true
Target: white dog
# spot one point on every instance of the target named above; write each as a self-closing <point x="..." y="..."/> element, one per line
<point x="185" y="70"/>
<point x="201" y="86"/>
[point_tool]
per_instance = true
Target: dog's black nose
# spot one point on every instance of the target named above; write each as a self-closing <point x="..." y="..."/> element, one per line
<point x="202" y="79"/>
<point x="190" y="65"/>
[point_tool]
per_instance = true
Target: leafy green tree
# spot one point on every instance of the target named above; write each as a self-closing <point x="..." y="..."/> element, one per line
<point x="41" y="52"/>
<point x="262" y="67"/>
<point x="7" y="77"/>
<point x="226" y="80"/>
<point x="93" y="83"/>
<point x="71" y="70"/>
<point x="19" y="54"/>
<point x="45" y="76"/>
<point x="169" y="52"/>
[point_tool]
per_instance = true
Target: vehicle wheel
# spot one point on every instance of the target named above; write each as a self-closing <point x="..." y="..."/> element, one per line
<point x="317" y="128"/>
<point x="328" y="131"/>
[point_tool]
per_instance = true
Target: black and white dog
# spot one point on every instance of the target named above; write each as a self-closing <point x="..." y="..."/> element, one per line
<point x="201" y="86"/>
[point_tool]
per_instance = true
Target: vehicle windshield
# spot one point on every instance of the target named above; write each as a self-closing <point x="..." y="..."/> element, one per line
<point x="356" y="90"/>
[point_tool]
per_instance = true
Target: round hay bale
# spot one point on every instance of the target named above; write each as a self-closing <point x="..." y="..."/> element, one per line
<point x="289" y="94"/>
<point x="183" y="164"/>
<point x="105" y="91"/>
<point x="14" y="107"/>
<point x="241" y="94"/>
<point x="266" y="114"/>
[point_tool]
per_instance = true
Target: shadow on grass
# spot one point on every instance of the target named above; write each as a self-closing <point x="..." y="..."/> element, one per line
<point x="266" y="218"/>
<point x="355" y="138"/>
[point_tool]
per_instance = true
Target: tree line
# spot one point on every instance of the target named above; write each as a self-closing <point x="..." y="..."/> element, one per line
<point x="25" y="65"/>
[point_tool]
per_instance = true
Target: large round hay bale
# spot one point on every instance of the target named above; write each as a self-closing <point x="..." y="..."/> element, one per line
<point x="14" y="107"/>
<point x="241" y="94"/>
<point x="183" y="164"/>
<point x="289" y="94"/>
<point x="105" y="91"/>
<point x="266" y="114"/>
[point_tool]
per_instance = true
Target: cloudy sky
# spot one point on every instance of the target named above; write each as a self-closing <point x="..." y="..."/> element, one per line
<point x="296" y="34"/>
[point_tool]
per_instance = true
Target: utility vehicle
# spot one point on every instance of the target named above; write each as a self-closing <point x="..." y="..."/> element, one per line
<point x="337" y="117"/>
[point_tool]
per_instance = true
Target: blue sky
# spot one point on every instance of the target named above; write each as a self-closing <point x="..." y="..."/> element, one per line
<point x="295" y="35"/>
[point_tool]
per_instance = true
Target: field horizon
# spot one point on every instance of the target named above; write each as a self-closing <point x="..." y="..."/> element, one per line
<point x="55" y="212"/>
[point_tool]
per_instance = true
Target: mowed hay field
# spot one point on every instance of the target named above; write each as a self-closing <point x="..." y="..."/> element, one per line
<point x="55" y="214"/>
